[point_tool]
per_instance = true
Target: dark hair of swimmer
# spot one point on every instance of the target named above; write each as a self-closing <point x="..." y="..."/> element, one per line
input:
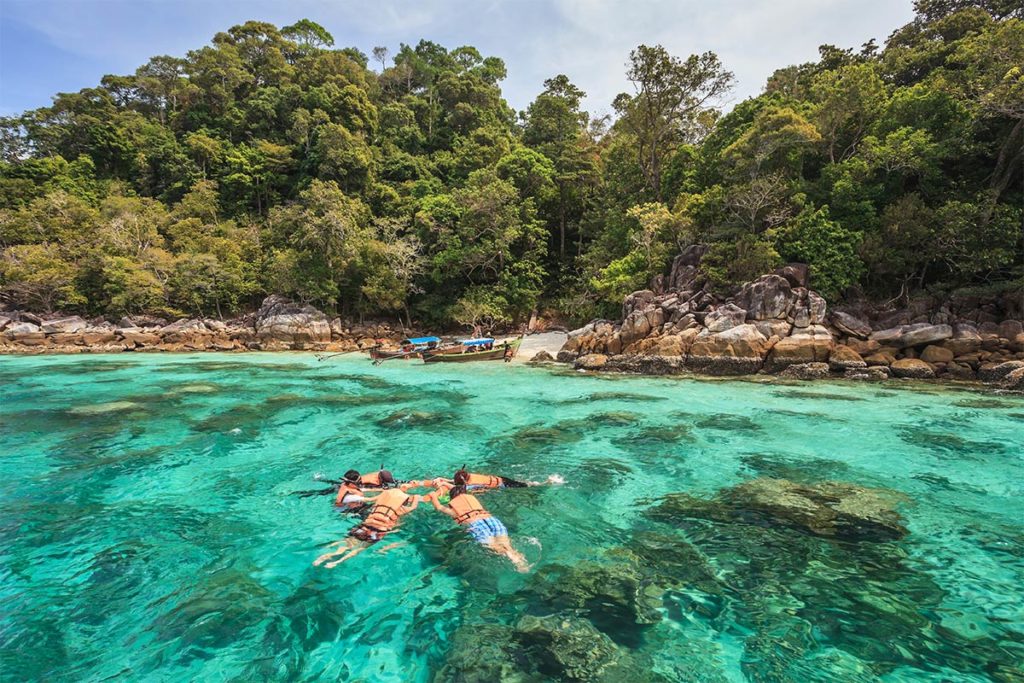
<point x="352" y="476"/>
<point x="456" y="491"/>
<point x="386" y="477"/>
<point x="461" y="477"/>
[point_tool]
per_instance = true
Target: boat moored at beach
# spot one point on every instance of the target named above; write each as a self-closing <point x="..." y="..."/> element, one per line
<point x="412" y="347"/>
<point x="468" y="350"/>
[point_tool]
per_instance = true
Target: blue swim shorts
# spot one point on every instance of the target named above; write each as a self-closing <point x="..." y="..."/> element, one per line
<point x="485" y="529"/>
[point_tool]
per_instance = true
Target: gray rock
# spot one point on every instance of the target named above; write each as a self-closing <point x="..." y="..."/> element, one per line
<point x="4" y="322"/>
<point x="281" y="319"/>
<point x="185" y="325"/>
<point x="22" y="328"/>
<point x="767" y="297"/>
<point x="924" y="333"/>
<point x="725" y="318"/>
<point x="795" y="274"/>
<point x="542" y="356"/>
<point x="851" y="325"/>
<point x="817" y="307"/>
<point x="888" y="337"/>
<point x="1009" y="329"/>
<point x="64" y="325"/>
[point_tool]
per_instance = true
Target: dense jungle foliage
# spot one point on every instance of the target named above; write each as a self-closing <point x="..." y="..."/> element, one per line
<point x="403" y="184"/>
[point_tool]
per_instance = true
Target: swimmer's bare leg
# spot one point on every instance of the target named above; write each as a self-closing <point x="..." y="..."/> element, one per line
<point x="333" y="553"/>
<point x="501" y="545"/>
<point x="390" y="546"/>
<point x="352" y="552"/>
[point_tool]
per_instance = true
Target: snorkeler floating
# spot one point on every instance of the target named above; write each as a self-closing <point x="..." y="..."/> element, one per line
<point x="381" y="513"/>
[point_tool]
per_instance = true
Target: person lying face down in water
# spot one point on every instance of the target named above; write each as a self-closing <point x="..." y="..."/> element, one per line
<point x="476" y="482"/>
<point x="382" y="519"/>
<point x="485" y="528"/>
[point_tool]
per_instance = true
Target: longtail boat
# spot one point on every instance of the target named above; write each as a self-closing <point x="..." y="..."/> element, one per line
<point x="408" y="348"/>
<point x="470" y="350"/>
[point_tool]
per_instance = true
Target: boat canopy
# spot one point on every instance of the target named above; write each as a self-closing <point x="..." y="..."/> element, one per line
<point x="417" y="341"/>
<point x="477" y="342"/>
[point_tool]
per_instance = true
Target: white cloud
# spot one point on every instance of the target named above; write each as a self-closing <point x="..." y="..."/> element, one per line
<point x="588" y="40"/>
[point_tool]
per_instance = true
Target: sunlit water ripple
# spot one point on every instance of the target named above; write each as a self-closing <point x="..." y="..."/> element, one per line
<point x="147" y="530"/>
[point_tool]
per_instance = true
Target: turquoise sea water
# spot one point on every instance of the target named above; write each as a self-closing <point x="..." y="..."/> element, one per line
<point x="147" y="530"/>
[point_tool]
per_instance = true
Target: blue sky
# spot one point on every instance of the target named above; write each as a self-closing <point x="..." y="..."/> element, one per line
<point x="49" y="46"/>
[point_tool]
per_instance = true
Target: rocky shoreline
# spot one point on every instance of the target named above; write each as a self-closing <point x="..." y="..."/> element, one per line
<point x="777" y="325"/>
<point x="279" y="325"/>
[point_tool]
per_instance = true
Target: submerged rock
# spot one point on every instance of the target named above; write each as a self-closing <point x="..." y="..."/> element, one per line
<point x="831" y="509"/>
<point x="565" y="646"/>
<point x="484" y="653"/>
<point x="611" y="594"/>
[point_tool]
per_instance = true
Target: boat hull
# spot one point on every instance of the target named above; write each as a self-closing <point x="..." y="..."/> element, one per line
<point x="499" y="352"/>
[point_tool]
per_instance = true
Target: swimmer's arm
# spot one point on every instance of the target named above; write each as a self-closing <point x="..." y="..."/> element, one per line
<point x="437" y="505"/>
<point x="415" y="504"/>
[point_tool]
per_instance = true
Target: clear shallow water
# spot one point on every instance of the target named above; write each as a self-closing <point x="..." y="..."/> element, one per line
<point x="147" y="531"/>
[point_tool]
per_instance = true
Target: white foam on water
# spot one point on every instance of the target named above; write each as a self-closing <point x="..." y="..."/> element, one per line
<point x="236" y="430"/>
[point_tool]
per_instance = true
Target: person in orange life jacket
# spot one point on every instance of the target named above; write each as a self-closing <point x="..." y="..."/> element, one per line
<point x="485" y="528"/>
<point x="477" y="482"/>
<point x="381" y="479"/>
<point x="382" y="519"/>
<point x="351" y="494"/>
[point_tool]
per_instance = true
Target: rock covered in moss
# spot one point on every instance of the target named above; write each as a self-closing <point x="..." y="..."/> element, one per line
<point x="565" y="646"/>
<point x="484" y="653"/>
<point x="832" y="509"/>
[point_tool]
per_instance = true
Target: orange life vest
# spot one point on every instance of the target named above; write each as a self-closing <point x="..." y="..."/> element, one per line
<point x="385" y="512"/>
<point x="487" y="481"/>
<point x="371" y="479"/>
<point x="344" y="490"/>
<point x="467" y="508"/>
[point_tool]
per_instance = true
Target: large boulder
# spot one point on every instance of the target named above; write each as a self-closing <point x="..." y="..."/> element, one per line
<point x="1013" y="380"/>
<point x="22" y="328"/>
<point x="851" y="325"/>
<point x="936" y="354"/>
<point x="68" y="325"/>
<point x="808" y="345"/>
<point x="795" y="274"/>
<point x="637" y="325"/>
<point x="686" y="268"/>
<point x="965" y="340"/>
<point x="912" y="368"/>
<point x="542" y="356"/>
<point x="767" y="297"/>
<point x="280" y="319"/>
<point x="845" y="358"/>
<point x="995" y="372"/>
<point x="924" y="333"/>
<point x="737" y="351"/>
<point x="889" y="336"/>
<point x="724" y="318"/>
<point x="816" y="307"/>
<point x="637" y="301"/>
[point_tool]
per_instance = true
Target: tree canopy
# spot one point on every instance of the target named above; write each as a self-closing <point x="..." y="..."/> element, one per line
<point x="272" y="161"/>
